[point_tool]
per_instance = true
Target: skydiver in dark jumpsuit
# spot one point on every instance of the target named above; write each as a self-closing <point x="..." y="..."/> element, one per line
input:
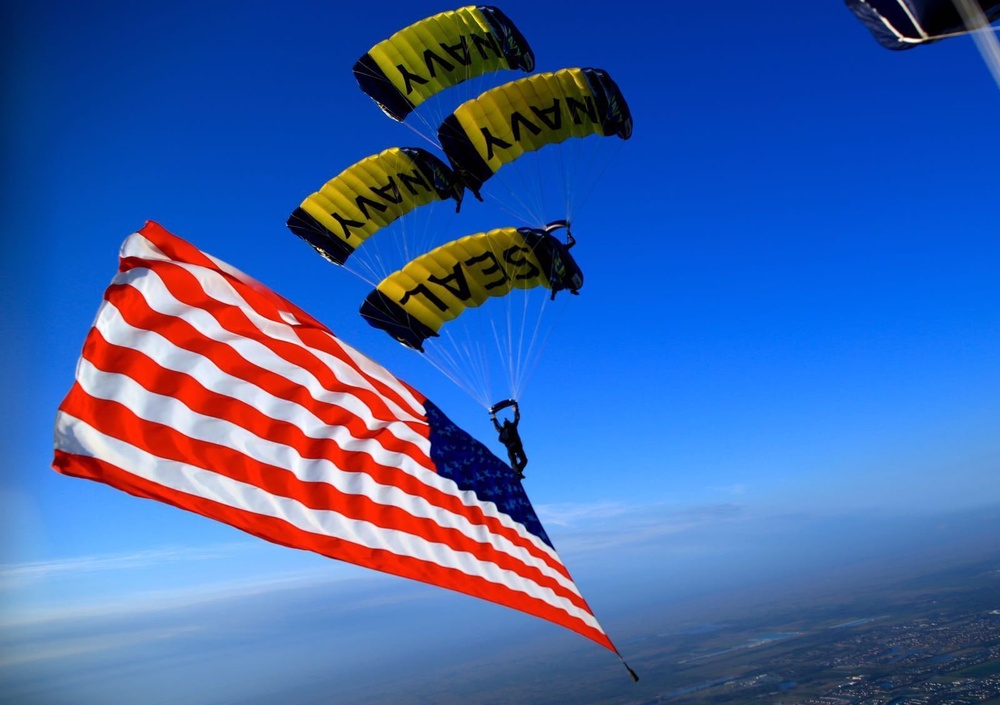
<point x="510" y="437"/>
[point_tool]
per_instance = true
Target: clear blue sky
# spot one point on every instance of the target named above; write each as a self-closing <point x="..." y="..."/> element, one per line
<point x="789" y="327"/>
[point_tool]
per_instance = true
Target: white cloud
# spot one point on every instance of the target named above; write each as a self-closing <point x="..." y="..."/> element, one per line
<point x="736" y="490"/>
<point x="149" y="601"/>
<point x="22" y="573"/>
<point x="55" y="591"/>
<point x="575" y="514"/>
<point x="584" y="528"/>
<point x="32" y="652"/>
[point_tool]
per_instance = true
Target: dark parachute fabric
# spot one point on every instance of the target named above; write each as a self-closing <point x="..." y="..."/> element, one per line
<point x="904" y="24"/>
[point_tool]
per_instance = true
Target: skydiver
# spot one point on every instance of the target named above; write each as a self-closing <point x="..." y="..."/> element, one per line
<point x="562" y="270"/>
<point x="509" y="436"/>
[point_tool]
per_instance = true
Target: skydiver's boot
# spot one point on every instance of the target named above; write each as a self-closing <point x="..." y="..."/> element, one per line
<point x="515" y="465"/>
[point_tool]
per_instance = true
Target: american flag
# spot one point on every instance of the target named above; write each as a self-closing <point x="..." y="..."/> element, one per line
<point x="201" y="388"/>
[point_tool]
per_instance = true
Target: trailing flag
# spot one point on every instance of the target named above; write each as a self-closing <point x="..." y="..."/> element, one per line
<point x="201" y="388"/>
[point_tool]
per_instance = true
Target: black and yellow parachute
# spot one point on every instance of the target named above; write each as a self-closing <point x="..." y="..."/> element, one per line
<point x="444" y="76"/>
<point x="439" y="52"/>
<point x="413" y="303"/>
<point x="503" y="123"/>
<point x="370" y="195"/>
<point x="902" y="24"/>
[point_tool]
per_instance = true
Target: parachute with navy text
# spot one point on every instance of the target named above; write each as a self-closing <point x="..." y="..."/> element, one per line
<point x="493" y="130"/>
<point x="440" y="52"/>
<point x="369" y="196"/>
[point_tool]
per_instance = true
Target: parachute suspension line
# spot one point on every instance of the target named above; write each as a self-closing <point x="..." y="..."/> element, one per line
<point x="482" y="341"/>
<point x="982" y="33"/>
<point x="362" y="271"/>
<point x="587" y="169"/>
<point x="564" y="173"/>
<point x="512" y="340"/>
<point x="913" y="20"/>
<point x="561" y="176"/>
<point x="406" y="238"/>
<point x="463" y="363"/>
<point x="428" y="116"/>
<point x="532" y="185"/>
<point x="522" y="185"/>
<point x="524" y="355"/>
<point x="530" y="323"/>
<point x="524" y="334"/>
<point x="473" y="357"/>
<point x="504" y="337"/>
<point x="517" y="361"/>
<point x="522" y="212"/>
<point x="426" y="133"/>
<point x="540" y="336"/>
<point x="504" y="341"/>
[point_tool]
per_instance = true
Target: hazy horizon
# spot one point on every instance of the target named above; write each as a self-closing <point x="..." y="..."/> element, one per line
<point x="232" y="636"/>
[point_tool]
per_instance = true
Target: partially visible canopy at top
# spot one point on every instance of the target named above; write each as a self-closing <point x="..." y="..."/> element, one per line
<point x="903" y="24"/>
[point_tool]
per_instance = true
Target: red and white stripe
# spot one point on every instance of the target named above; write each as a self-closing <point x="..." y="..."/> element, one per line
<point x="199" y="387"/>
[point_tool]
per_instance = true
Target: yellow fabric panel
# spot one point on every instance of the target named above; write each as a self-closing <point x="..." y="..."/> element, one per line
<point x="340" y="193"/>
<point x="406" y="47"/>
<point x="494" y="109"/>
<point x="438" y="286"/>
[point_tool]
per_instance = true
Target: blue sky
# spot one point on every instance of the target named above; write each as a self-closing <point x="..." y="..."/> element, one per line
<point x="786" y="341"/>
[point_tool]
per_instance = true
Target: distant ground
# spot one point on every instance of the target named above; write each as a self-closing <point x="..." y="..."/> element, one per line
<point x="928" y="639"/>
<point x="828" y="613"/>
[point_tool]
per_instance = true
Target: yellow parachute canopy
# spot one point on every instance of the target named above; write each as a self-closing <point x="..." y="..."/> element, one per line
<point x="436" y="53"/>
<point x="370" y="195"/>
<point x="412" y="304"/>
<point x="503" y="123"/>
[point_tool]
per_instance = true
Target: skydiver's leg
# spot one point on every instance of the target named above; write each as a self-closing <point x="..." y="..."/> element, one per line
<point x="521" y="461"/>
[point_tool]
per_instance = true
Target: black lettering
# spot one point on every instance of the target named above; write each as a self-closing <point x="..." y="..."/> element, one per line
<point x="410" y="78"/>
<point x="484" y="43"/>
<point x="363" y="203"/>
<point x="346" y="224"/>
<point x="516" y="256"/>
<point x="491" y="141"/>
<point x="490" y="270"/>
<point x="412" y="180"/>
<point x="389" y="192"/>
<point x="459" y="52"/>
<point x="576" y="108"/>
<point x="422" y="290"/>
<point x="516" y="120"/>
<point x="552" y="116"/>
<point x="430" y="57"/>
<point x="455" y="283"/>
